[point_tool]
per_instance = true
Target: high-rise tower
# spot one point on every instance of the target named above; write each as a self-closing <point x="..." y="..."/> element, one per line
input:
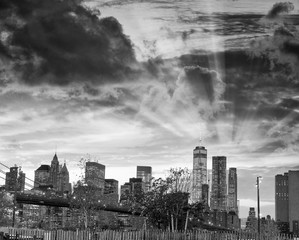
<point x="282" y="198"/>
<point x="287" y="201"/>
<point x="294" y="202"/>
<point x="95" y="175"/>
<point x="54" y="172"/>
<point x="15" y="180"/>
<point x="232" y="191"/>
<point x="219" y="186"/>
<point x="145" y="173"/>
<point x="64" y="180"/>
<point x="199" y="174"/>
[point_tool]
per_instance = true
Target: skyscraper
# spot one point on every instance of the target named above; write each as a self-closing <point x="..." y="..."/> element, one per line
<point x="282" y="198"/>
<point x="287" y="201"/>
<point x="111" y="186"/>
<point x="251" y="223"/>
<point x="219" y="186"/>
<point x="294" y="201"/>
<point x="14" y="180"/>
<point x="54" y="171"/>
<point x="145" y="173"/>
<point x="64" y="184"/>
<point x="42" y="176"/>
<point x="232" y="191"/>
<point x="111" y="191"/>
<point x="95" y="175"/>
<point x="199" y="174"/>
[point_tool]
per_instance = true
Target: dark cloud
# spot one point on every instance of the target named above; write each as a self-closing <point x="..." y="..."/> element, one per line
<point x="227" y="24"/>
<point x="279" y="8"/>
<point x="186" y="34"/>
<point x="290" y="103"/>
<point x="91" y="90"/>
<point x="291" y="47"/>
<point x="60" y="41"/>
<point x="202" y="81"/>
<point x="271" y="147"/>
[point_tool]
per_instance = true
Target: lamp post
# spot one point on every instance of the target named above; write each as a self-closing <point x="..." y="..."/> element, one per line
<point x="258" y="204"/>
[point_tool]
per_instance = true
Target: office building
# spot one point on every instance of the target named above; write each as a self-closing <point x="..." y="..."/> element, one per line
<point x="205" y="195"/>
<point x="287" y="201"/>
<point x="111" y="191"/>
<point x="199" y="173"/>
<point x="232" y="191"/>
<point x="125" y="190"/>
<point x="111" y="186"/>
<point x="282" y="198"/>
<point x="294" y="201"/>
<point x="136" y="185"/>
<point x="54" y="172"/>
<point x="145" y="173"/>
<point x="14" y="180"/>
<point x="54" y="177"/>
<point x="219" y="186"/>
<point x="42" y="176"/>
<point x="95" y="175"/>
<point x="251" y="223"/>
<point x="64" y="185"/>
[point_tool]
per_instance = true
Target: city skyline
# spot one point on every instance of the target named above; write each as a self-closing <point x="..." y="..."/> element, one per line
<point x="245" y="207"/>
<point x="145" y="89"/>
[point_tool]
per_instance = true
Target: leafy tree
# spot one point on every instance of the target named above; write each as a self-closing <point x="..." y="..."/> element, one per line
<point x="6" y="208"/>
<point x="166" y="204"/>
<point x="84" y="201"/>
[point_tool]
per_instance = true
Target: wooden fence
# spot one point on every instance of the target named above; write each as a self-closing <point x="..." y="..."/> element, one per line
<point x="30" y="234"/>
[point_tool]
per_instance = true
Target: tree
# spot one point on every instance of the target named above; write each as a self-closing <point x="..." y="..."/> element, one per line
<point x="84" y="201"/>
<point x="166" y="204"/>
<point x="85" y="198"/>
<point x="6" y="208"/>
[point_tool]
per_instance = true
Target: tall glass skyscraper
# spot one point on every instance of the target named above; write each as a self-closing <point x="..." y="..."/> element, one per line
<point x="145" y="172"/>
<point x="199" y="173"/>
<point x="219" y="186"/>
<point x="232" y="191"/>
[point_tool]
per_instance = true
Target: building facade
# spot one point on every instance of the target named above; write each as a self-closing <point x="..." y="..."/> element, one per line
<point x="111" y="190"/>
<point x="287" y="201"/>
<point x="42" y="176"/>
<point x="95" y="175"/>
<point x="14" y="180"/>
<point x="232" y="191"/>
<point x="205" y="195"/>
<point x="111" y="186"/>
<point x="199" y="173"/>
<point x="294" y="201"/>
<point x="282" y="198"/>
<point x="64" y="184"/>
<point x="145" y="173"/>
<point x="55" y="177"/>
<point x="54" y="172"/>
<point x="219" y="186"/>
<point x="251" y="223"/>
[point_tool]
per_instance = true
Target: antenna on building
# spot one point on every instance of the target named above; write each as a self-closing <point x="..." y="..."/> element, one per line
<point x="200" y="141"/>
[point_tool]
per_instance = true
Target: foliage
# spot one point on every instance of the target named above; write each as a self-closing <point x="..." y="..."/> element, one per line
<point x="6" y="208"/>
<point x="166" y="204"/>
<point x="83" y="203"/>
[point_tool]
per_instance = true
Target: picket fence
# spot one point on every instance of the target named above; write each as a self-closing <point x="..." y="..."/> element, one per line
<point x="30" y="234"/>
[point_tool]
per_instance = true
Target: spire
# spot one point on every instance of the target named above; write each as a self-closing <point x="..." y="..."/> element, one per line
<point x="55" y="158"/>
<point x="64" y="168"/>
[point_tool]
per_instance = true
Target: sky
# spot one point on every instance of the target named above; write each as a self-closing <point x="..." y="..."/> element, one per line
<point x="129" y="83"/>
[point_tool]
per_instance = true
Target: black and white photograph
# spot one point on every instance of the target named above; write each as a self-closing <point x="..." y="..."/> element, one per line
<point x="149" y="119"/>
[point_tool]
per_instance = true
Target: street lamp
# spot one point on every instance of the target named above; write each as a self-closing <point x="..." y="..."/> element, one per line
<point x="258" y="204"/>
